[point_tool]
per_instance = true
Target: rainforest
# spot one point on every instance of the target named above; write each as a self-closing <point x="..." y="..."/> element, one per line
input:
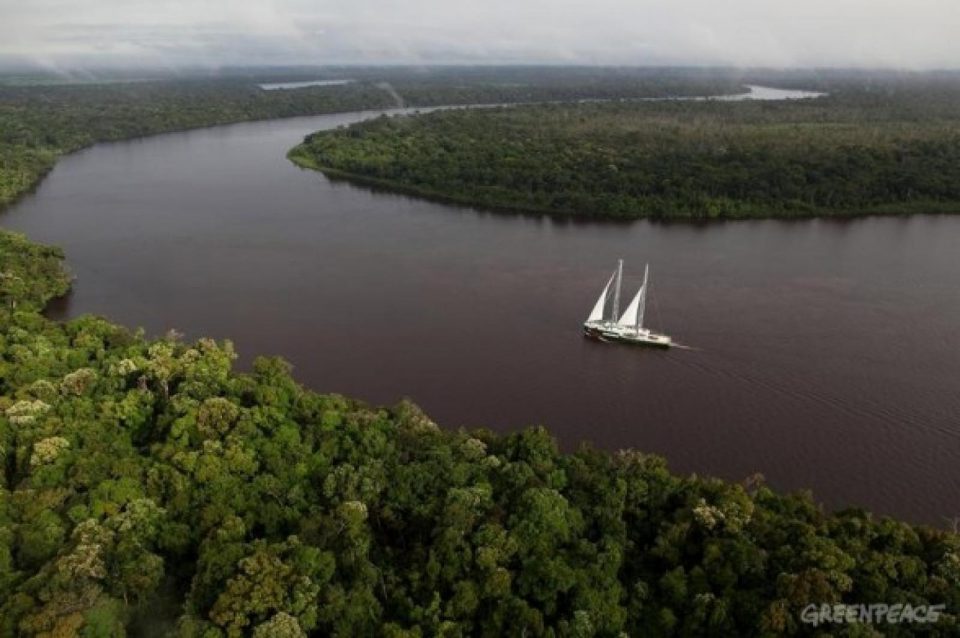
<point x="149" y="486"/>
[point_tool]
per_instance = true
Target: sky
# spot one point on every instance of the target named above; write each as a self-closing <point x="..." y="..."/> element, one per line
<point x="907" y="34"/>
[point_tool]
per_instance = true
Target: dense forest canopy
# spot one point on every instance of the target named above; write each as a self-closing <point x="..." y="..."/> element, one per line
<point x="873" y="145"/>
<point x="150" y="489"/>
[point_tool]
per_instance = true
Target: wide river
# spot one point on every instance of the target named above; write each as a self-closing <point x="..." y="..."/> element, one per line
<point x="826" y="353"/>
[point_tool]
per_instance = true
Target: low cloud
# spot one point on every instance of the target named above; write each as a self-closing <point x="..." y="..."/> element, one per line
<point x="874" y="33"/>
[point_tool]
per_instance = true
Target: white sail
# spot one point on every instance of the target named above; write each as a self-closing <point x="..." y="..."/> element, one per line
<point x="629" y="318"/>
<point x="633" y="315"/>
<point x="643" y="297"/>
<point x="597" y="313"/>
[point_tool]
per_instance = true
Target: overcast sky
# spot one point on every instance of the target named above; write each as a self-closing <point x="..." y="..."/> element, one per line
<point x="913" y="34"/>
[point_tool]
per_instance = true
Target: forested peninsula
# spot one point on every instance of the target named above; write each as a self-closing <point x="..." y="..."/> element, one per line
<point x="872" y="146"/>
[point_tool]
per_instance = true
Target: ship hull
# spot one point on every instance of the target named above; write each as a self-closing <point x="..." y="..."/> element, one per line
<point x="612" y="332"/>
<point x="593" y="333"/>
<point x="660" y="341"/>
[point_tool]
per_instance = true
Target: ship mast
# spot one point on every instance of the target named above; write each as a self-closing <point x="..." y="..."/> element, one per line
<point x="643" y="297"/>
<point x="616" y="291"/>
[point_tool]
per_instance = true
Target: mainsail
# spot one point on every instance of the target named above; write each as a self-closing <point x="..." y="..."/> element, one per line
<point x="633" y="315"/>
<point x="597" y="313"/>
<point x="616" y="290"/>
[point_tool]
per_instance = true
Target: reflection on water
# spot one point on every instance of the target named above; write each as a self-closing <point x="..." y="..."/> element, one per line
<point x="767" y="93"/>
<point x="753" y="92"/>
<point x="827" y="352"/>
<point x="275" y="86"/>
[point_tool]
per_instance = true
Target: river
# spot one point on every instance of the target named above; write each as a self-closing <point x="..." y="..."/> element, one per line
<point x="826" y="353"/>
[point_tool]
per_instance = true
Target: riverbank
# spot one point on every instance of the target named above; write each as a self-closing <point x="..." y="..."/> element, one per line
<point x="42" y="124"/>
<point x="301" y="157"/>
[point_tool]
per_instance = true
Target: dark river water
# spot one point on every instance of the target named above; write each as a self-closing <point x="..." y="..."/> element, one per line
<point x="826" y="353"/>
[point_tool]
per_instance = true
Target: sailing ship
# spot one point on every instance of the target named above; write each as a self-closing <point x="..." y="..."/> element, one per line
<point x="628" y="327"/>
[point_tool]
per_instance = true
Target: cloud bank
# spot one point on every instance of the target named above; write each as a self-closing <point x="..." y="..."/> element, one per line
<point x="919" y="34"/>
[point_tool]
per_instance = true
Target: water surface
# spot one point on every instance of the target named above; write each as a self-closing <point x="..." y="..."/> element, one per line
<point x="277" y="86"/>
<point x="827" y="352"/>
<point x="764" y="93"/>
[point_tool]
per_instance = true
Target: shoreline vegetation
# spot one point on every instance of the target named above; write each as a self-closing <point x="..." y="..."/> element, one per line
<point x="862" y="150"/>
<point x="301" y="157"/>
<point x="147" y="486"/>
